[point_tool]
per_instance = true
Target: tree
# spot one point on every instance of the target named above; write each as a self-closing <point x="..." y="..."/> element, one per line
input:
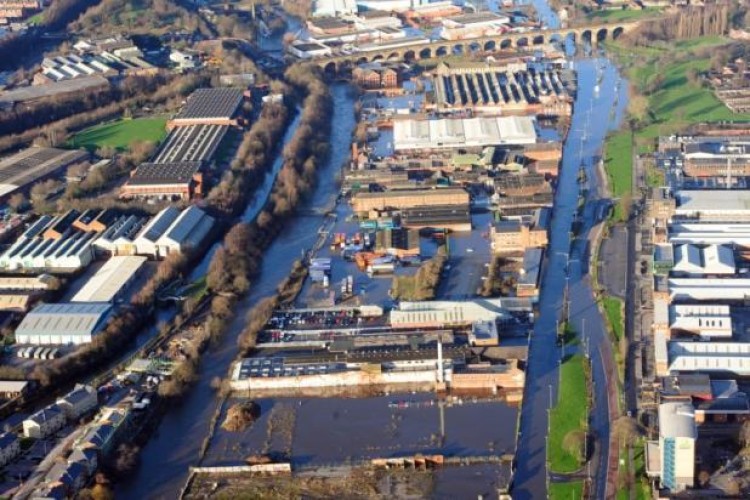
<point x="18" y="202"/>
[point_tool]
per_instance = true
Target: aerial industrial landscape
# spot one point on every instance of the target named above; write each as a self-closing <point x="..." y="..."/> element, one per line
<point x="374" y="249"/>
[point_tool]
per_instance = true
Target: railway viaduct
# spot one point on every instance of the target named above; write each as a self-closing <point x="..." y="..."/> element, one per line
<point x="591" y="33"/>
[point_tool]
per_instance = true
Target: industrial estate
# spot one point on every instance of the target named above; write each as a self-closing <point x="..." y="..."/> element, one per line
<point x="295" y="249"/>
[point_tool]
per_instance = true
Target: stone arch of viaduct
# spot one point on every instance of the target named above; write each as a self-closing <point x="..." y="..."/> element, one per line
<point x="592" y="34"/>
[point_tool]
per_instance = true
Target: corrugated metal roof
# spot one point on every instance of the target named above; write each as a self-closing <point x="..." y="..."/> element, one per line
<point x="64" y="318"/>
<point x="110" y="279"/>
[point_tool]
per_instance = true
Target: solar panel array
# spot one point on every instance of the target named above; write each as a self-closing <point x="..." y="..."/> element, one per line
<point x="191" y="143"/>
<point x="165" y="173"/>
<point x="33" y="163"/>
<point x="212" y="103"/>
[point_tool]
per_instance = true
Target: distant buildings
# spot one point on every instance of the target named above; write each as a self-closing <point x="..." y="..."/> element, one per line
<point x="46" y="421"/>
<point x="12" y="11"/>
<point x="513" y="236"/>
<point x="19" y="171"/>
<point x="367" y="202"/>
<point x="10" y="448"/>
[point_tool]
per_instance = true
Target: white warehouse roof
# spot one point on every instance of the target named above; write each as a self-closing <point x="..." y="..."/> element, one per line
<point x="697" y="289"/>
<point x="731" y="357"/>
<point x="710" y="234"/>
<point x="723" y="205"/>
<point x="463" y="132"/>
<point x="447" y="312"/>
<point x="710" y="259"/>
<point x="69" y="319"/>
<point x="709" y="321"/>
<point x="114" y="275"/>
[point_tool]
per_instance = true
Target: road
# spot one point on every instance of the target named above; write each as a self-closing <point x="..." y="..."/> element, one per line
<point x="591" y="120"/>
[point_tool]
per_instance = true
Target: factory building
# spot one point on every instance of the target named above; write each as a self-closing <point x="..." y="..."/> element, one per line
<point x="515" y="236"/>
<point x="109" y="282"/>
<point x="216" y="106"/>
<point x="707" y="357"/>
<point x="445" y="133"/>
<point x="724" y="158"/>
<point x="63" y="323"/>
<point x="50" y="244"/>
<point x="21" y="170"/>
<point x="191" y="143"/>
<point x="709" y="289"/>
<point x="509" y="88"/>
<point x="449" y="218"/>
<point x="710" y="234"/>
<point x="397" y="241"/>
<point x="473" y="25"/>
<point x="180" y="180"/>
<point x="531" y="270"/>
<point x="364" y="203"/>
<point x="714" y="206"/>
<point x="706" y="321"/>
<point x="26" y="283"/>
<point x="173" y="231"/>
<point x="441" y="314"/>
<point x="677" y="437"/>
<point x="118" y="239"/>
<point x="694" y="260"/>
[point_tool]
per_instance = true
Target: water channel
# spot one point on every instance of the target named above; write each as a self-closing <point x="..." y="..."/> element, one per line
<point x="174" y="447"/>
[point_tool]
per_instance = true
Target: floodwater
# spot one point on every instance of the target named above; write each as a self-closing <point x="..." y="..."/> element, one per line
<point x="174" y="447"/>
<point x="327" y="431"/>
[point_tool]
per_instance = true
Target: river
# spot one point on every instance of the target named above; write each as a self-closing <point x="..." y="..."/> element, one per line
<point x="174" y="447"/>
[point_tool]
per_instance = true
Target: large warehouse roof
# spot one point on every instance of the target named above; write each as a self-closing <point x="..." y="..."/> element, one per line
<point x="158" y="174"/>
<point x="710" y="259"/>
<point x="211" y="103"/>
<point x="709" y="357"/>
<point x="33" y="92"/>
<point x="463" y="132"/>
<point x="191" y="143"/>
<point x="711" y="289"/>
<point x="31" y="164"/>
<point x="114" y="275"/>
<point x="64" y="318"/>
<point x="724" y="205"/>
<point x="707" y="233"/>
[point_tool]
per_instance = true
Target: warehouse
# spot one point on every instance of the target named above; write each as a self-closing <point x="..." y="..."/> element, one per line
<point x="172" y="231"/>
<point x="717" y="206"/>
<point x="218" y="106"/>
<point x="705" y="321"/>
<point x="66" y="252"/>
<point x="450" y="218"/>
<point x="165" y="180"/>
<point x="463" y="132"/>
<point x="26" y="283"/>
<point x="694" y="260"/>
<point x="515" y="236"/>
<point x="64" y="323"/>
<point x="118" y="238"/>
<point x="108" y="284"/>
<point x="191" y="143"/>
<point x="19" y="171"/>
<point x="710" y="234"/>
<point x="528" y="281"/>
<point x="447" y="313"/>
<point x="87" y="84"/>
<point x="706" y="357"/>
<point x="709" y="290"/>
<point x="367" y="202"/>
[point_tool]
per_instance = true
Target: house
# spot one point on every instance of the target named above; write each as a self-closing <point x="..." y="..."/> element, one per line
<point x="87" y="457"/>
<point x="79" y="401"/>
<point x="72" y="475"/>
<point x="10" y="447"/>
<point x="44" y="422"/>
<point x="99" y="437"/>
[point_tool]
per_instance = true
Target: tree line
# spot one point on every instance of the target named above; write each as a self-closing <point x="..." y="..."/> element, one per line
<point x="687" y="22"/>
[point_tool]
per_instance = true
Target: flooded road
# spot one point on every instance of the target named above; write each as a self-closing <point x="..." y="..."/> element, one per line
<point x="595" y="114"/>
<point x="174" y="447"/>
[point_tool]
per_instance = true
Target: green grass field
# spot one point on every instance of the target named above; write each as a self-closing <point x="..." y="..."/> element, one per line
<point x="566" y="491"/>
<point x="568" y="418"/>
<point x="619" y="15"/>
<point x="618" y="164"/>
<point x="613" y="311"/>
<point x="120" y="134"/>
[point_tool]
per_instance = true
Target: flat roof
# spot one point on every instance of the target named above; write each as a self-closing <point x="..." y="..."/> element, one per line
<point x="164" y="173"/>
<point x="29" y="165"/>
<point x="463" y="132"/>
<point x="677" y="420"/>
<point x="211" y="103"/>
<point x="113" y="276"/>
<point x="34" y="92"/>
<point x="713" y="200"/>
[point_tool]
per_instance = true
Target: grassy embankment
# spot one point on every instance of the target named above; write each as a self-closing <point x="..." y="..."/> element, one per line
<point x="613" y="311"/>
<point x="568" y="419"/>
<point x="121" y="134"/>
<point x="622" y="15"/>
<point x="572" y="490"/>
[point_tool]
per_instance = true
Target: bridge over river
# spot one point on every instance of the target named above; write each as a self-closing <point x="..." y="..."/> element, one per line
<point x="415" y="50"/>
